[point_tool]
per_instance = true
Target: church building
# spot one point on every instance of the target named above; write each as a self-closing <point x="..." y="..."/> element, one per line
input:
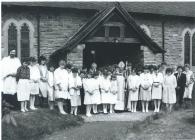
<point x="102" y="32"/>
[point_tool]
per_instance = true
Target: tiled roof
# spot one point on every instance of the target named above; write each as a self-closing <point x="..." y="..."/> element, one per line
<point x="101" y="16"/>
<point x="165" y="8"/>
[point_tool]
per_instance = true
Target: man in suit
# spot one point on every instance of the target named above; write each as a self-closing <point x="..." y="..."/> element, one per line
<point x="181" y="81"/>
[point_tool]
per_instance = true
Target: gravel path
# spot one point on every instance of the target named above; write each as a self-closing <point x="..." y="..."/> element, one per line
<point x="127" y="116"/>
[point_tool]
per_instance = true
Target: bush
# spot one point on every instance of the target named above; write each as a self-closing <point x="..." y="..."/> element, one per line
<point x="7" y="116"/>
<point x="33" y="125"/>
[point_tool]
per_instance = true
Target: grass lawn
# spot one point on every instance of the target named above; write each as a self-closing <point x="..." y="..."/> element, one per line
<point x="34" y="125"/>
<point x="178" y="125"/>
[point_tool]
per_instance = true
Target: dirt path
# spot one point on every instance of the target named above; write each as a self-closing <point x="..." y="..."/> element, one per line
<point x="102" y="127"/>
<point x="94" y="131"/>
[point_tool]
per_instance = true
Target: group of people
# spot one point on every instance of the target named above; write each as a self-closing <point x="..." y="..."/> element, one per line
<point x="115" y="89"/>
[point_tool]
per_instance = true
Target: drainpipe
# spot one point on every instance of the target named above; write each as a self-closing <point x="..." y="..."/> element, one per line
<point x="163" y="37"/>
<point x="38" y="34"/>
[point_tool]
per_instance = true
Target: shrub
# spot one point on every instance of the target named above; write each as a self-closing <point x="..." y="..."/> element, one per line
<point x="33" y="125"/>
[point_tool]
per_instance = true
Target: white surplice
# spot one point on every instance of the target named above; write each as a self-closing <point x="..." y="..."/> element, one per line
<point x="87" y="85"/>
<point x="105" y="86"/>
<point x="120" y="105"/>
<point x="189" y="88"/>
<point x="74" y="83"/>
<point x="95" y="87"/>
<point x="43" y="84"/>
<point x="50" y="85"/>
<point x="9" y="66"/>
<point x="146" y="84"/>
<point x="34" y="76"/>
<point x="157" y="86"/>
<point x="113" y="92"/>
<point x="169" y="93"/>
<point x="133" y="83"/>
<point x="61" y="79"/>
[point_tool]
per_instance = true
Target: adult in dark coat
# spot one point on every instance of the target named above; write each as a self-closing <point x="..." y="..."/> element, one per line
<point x="181" y="81"/>
<point x="93" y="68"/>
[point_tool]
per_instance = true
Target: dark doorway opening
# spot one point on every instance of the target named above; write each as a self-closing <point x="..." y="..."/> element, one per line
<point x="111" y="53"/>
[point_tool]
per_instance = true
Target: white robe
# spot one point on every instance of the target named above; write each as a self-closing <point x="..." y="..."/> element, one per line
<point x="113" y="91"/>
<point x="61" y="78"/>
<point x="157" y="90"/>
<point x="75" y="82"/>
<point x="188" y="89"/>
<point x="9" y="66"/>
<point x="34" y="76"/>
<point x="23" y="90"/>
<point x="106" y="95"/>
<point x="146" y="81"/>
<point x="120" y="105"/>
<point x="133" y="83"/>
<point x="169" y="93"/>
<point x="43" y="84"/>
<point x="95" y="87"/>
<point x="88" y="91"/>
<point x="50" y="86"/>
<point x="50" y="78"/>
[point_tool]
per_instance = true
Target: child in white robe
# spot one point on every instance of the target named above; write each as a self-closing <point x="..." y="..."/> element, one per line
<point x="133" y="84"/>
<point x="23" y="89"/>
<point x="43" y="79"/>
<point x="113" y="91"/>
<point x="105" y="86"/>
<point x="139" y="72"/>
<point x="157" y="89"/>
<point x="50" y="87"/>
<point x="74" y="90"/>
<point x="61" y="86"/>
<point x="96" y="98"/>
<point x="34" y="82"/>
<point x="87" y="84"/>
<point x="190" y="79"/>
<point x="145" y="89"/>
<point x="169" y="92"/>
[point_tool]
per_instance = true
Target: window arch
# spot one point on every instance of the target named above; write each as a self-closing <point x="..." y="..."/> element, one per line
<point x="23" y="34"/>
<point x="146" y="29"/>
<point x="25" y="42"/>
<point x="187" y="37"/>
<point x="12" y="37"/>
<point x="26" y="24"/>
<point x="5" y="47"/>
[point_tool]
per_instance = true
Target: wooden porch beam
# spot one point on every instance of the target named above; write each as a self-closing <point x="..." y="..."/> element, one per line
<point x="113" y="40"/>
